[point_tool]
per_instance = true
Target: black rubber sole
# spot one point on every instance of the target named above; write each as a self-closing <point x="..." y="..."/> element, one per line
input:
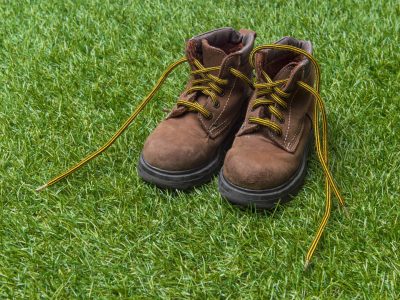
<point x="181" y="180"/>
<point x="269" y="198"/>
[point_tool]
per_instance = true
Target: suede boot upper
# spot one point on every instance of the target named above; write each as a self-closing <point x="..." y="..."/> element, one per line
<point x="187" y="139"/>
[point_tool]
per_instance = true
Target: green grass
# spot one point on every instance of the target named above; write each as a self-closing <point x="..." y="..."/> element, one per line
<point x="72" y="71"/>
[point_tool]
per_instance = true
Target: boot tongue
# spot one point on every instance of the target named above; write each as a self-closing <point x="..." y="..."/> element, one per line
<point x="206" y="54"/>
<point x="286" y="71"/>
<point x="211" y="56"/>
<point x="291" y="71"/>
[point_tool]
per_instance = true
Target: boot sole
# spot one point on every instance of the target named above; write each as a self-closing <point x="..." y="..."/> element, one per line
<point x="268" y="198"/>
<point x="181" y="180"/>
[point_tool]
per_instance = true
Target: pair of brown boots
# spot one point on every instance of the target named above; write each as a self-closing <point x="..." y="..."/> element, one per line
<point x="259" y="131"/>
<point x="269" y="122"/>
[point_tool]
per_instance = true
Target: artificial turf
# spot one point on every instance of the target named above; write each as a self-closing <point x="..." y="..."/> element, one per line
<point x="72" y="71"/>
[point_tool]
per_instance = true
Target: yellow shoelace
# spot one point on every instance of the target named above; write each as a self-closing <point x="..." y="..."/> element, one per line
<point x="207" y="84"/>
<point x="271" y="88"/>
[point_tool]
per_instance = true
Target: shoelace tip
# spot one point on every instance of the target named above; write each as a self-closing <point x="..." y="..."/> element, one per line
<point x="41" y="188"/>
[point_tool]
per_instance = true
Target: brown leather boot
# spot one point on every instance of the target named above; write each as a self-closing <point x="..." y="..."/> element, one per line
<point x="267" y="162"/>
<point x="188" y="147"/>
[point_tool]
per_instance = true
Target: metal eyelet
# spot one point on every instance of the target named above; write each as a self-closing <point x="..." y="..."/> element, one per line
<point x="216" y="104"/>
<point x="209" y="117"/>
<point x="221" y="94"/>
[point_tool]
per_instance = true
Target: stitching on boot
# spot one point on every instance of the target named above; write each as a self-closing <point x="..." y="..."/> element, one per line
<point x="289" y="118"/>
<point x="221" y="129"/>
<point x="219" y="126"/>
<point x="290" y="145"/>
<point x="226" y="104"/>
<point x="200" y="117"/>
<point x="227" y="101"/>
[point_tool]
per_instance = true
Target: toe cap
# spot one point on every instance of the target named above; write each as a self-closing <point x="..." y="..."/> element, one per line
<point x="173" y="149"/>
<point x="256" y="170"/>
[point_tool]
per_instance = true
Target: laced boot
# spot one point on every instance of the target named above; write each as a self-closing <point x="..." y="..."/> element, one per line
<point x="267" y="162"/>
